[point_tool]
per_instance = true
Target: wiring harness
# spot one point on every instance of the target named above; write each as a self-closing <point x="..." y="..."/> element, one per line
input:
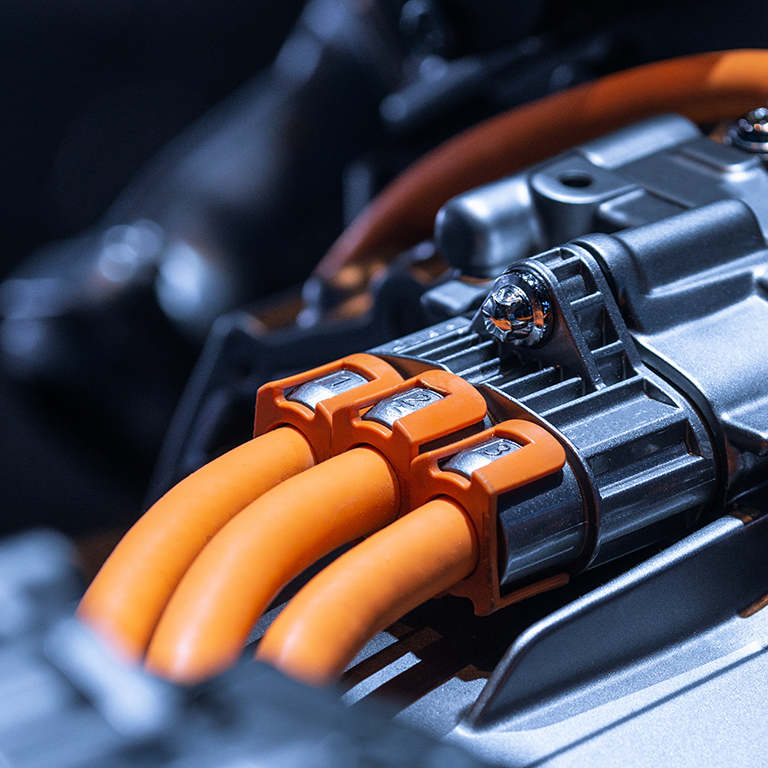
<point x="594" y="398"/>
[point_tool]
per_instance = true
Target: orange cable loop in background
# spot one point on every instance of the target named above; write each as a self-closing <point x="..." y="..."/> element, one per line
<point x="707" y="88"/>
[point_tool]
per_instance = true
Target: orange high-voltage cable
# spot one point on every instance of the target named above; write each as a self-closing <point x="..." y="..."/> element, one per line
<point x="127" y="597"/>
<point x="707" y="88"/>
<point x="233" y="580"/>
<point x="372" y="585"/>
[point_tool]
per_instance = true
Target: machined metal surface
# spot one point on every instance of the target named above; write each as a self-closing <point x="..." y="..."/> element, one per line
<point x="695" y="302"/>
<point x="640" y="174"/>
<point x="485" y="229"/>
<point x="666" y="648"/>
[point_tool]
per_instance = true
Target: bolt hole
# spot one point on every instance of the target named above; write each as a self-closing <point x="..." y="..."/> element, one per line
<point x="575" y="179"/>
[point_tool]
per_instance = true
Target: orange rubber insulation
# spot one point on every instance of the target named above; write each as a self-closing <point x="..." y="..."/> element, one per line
<point x="127" y="597"/>
<point x="372" y="585"/>
<point x="706" y="88"/>
<point x="243" y="568"/>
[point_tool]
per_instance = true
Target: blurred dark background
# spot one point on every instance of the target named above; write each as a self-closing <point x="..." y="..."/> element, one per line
<point x="90" y="91"/>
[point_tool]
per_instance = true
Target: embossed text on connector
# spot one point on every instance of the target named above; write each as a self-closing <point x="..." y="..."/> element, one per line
<point x="312" y="392"/>
<point x="467" y="461"/>
<point x="388" y="411"/>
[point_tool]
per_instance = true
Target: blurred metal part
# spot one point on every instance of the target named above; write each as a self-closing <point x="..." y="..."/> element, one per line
<point x="136" y="705"/>
<point x="425" y="26"/>
<point x="68" y="701"/>
<point x="750" y="132"/>
<point x="37" y="581"/>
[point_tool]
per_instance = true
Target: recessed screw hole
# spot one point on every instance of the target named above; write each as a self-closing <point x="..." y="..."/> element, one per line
<point x="575" y="179"/>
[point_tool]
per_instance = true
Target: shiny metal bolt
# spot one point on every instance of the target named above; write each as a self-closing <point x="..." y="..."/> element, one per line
<point x="750" y="132"/>
<point x="508" y="312"/>
<point x="517" y="310"/>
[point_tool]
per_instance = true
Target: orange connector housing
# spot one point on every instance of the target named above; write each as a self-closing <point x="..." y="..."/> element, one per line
<point x="462" y="407"/>
<point x="338" y="424"/>
<point x="273" y="408"/>
<point x="540" y="455"/>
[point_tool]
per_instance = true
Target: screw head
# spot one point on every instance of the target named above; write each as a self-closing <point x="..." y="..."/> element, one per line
<point x="750" y="132"/>
<point x="517" y="309"/>
<point x="507" y="311"/>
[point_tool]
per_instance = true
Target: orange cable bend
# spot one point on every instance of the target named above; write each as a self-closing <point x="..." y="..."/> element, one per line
<point x="706" y="88"/>
<point x="128" y="595"/>
<point x="243" y="568"/>
<point x="369" y="587"/>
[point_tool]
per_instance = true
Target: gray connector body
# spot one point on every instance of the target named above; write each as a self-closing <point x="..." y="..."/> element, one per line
<point x="652" y="368"/>
<point x="640" y="174"/>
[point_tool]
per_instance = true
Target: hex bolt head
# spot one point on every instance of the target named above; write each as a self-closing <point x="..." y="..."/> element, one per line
<point x="517" y="310"/>
<point x="750" y="132"/>
<point x="507" y="311"/>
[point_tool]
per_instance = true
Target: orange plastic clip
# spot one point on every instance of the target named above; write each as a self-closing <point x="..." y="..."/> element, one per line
<point x="274" y="408"/>
<point x="540" y="454"/>
<point x="458" y="406"/>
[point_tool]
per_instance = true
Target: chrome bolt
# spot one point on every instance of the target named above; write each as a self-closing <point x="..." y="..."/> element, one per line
<point x="508" y="312"/>
<point x="750" y="132"/>
<point x="517" y="310"/>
